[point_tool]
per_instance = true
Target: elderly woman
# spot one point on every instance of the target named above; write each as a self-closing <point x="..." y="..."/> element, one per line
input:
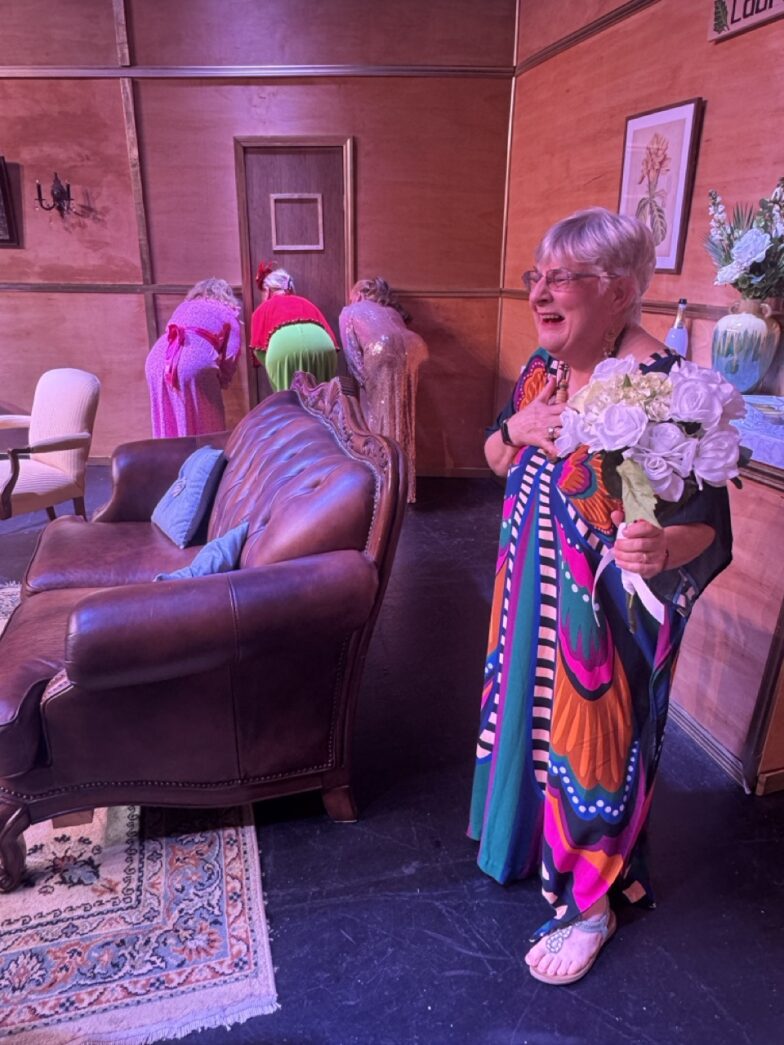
<point x="288" y="333"/>
<point x="384" y="356"/>
<point x="574" y="702"/>
<point x="190" y="364"/>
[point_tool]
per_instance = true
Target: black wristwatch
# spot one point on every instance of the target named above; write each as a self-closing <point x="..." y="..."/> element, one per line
<point x="505" y="436"/>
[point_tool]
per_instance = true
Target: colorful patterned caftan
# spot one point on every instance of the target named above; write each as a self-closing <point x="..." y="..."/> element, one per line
<point x="574" y="704"/>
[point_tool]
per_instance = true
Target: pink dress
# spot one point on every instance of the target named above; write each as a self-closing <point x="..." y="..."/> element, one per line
<point x="188" y="366"/>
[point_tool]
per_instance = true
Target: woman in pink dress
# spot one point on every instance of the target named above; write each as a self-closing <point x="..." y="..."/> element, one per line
<point x="190" y="364"/>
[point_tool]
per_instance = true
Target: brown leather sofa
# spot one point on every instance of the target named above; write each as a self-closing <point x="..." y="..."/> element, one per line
<point x="214" y="690"/>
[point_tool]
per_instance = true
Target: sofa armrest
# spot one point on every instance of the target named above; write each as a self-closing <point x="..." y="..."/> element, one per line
<point x="153" y="632"/>
<point x="143" y="471"/>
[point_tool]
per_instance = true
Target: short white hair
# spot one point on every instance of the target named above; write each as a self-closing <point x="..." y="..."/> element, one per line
<point x="616" y="243"/>
<point x="279" y="280"/>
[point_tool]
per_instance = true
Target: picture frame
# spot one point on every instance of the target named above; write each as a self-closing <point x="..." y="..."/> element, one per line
<point x="306" y="221"/>
<point x="9" y="227"/>
<point x="657" y="174"/>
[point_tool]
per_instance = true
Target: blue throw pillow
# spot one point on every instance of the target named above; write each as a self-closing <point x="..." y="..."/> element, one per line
<point x="189" y="498"/>
<point x="217" y="556"/>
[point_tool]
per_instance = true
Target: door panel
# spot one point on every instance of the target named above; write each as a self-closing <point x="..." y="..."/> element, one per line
<point x="305" y="189"/>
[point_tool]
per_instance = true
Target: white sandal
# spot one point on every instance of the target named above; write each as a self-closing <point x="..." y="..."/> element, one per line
<point x="605" y="924"/>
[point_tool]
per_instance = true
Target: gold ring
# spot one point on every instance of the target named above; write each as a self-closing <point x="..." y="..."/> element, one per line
<point x="551" y="432"/>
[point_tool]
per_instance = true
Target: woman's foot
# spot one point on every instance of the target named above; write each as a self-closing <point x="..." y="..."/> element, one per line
<point x="565" y="955"/>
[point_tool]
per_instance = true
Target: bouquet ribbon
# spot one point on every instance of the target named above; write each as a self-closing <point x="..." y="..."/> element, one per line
<point x="633" y="584"/>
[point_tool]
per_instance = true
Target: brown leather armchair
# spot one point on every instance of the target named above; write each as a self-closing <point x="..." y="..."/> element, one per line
<point x="214" y="690"/>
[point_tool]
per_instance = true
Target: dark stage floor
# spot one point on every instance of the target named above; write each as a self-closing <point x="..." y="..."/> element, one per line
<point x="385" y="933"/>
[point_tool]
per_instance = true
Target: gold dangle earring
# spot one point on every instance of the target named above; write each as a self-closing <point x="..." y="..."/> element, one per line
<point x="609" y="343"/>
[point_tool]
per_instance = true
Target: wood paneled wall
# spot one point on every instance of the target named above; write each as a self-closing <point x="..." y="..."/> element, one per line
<point x="568" y="129"/>
<point x="424" y="89"/>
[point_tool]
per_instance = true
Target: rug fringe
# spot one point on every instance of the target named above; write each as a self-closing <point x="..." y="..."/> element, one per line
<point x="228" y="1018"/>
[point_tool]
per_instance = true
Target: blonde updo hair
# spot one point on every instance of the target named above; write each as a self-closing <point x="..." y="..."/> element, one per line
<point x="279" y="280"/>
<point x="214" y="289"/>
<point x="378" y="290"/>
<point x="616" y="243"/>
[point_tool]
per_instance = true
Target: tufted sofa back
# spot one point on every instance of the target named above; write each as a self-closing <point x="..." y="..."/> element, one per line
<point x="287" y="470"/>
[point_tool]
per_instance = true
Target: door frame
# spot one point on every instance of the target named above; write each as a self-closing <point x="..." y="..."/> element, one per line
<point x="241" y="145"/>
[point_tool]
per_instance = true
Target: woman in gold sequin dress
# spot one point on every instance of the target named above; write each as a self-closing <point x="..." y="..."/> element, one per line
<point x="384" y="356"/>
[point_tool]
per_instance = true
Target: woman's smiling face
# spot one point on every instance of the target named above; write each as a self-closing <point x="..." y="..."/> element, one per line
<point x="572" y="321"/>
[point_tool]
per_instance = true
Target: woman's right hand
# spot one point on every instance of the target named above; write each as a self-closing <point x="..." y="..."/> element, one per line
<point x="538" y="423"/>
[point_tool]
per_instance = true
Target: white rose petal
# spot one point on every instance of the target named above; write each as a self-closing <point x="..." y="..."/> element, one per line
<point x="716" y="459"/>
<point x="572" y="433"/>
<point x="619" y="426"/>
<point x="665" y="481"/>
<point x="696" y="398"/>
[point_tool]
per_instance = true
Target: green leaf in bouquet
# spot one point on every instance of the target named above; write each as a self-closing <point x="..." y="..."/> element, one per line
<point x="639" y="500"/>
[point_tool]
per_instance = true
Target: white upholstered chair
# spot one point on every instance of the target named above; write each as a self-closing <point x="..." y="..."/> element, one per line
<point x="51" y="467"/>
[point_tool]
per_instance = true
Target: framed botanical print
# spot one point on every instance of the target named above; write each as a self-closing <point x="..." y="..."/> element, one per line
<point x="657" y="175"/>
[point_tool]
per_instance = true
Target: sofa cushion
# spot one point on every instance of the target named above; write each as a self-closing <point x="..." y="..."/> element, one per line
<point x="183" y="507"/>
<point x="72" y="553"/>
<point x="285" y="473"/>
<point x="33" y="652"/>
<point x="217" y="556"/>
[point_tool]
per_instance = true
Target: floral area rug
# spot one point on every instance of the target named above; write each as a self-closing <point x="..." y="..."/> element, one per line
<point x="140" y="926"/>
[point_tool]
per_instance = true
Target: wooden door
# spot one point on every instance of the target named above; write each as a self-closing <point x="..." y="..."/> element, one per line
<point x="296" y="209"/>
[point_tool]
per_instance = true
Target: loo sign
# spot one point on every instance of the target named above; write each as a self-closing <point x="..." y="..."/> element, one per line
<point x="733" y="16"/>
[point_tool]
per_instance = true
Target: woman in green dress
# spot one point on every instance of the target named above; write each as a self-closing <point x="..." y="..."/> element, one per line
<point x="289" y="333"/>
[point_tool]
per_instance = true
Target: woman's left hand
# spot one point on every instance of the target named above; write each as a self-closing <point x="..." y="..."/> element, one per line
<point x="642" y="549"/>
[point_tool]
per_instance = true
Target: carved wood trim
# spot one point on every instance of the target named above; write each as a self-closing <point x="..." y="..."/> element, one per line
<point x="582" y="34"/>
<point x="251" y="72"/>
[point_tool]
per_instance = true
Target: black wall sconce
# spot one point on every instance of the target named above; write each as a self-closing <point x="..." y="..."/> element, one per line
<point x="61" y="197"/>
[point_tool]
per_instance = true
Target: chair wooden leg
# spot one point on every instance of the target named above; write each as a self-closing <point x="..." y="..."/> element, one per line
<point x="51" y="512"/>
<point x="78" y="503"/>
<point x="340" y="805"/>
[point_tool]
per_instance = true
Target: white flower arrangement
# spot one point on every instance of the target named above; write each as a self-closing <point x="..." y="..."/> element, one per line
<point x="663" y="435"/>
<point x="748" y="250"/>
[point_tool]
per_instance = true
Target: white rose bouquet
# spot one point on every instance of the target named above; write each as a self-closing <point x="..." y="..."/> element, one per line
<point x="663" y="435"/>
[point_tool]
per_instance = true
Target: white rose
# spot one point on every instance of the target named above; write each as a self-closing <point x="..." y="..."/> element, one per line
<point x="716" y="459"/>
<point x="665" y="481"/>
<point x="695" y="397"/>
<point x="618" y="426"/>
<point x="614" y="368"/>
<point x="752" y="246"/>
<point x="572" y="433"/>
<point x="670" y="442"/>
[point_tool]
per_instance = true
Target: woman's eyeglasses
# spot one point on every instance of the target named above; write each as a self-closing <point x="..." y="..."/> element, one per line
<point x="559" y="279"/>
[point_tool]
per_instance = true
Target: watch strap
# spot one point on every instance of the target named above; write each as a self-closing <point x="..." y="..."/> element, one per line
<point x="505" y="436"/>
